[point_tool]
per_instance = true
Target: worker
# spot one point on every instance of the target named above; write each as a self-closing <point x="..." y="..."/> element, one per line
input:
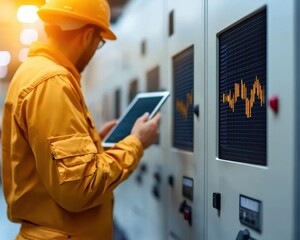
<point x="58" y="181"/>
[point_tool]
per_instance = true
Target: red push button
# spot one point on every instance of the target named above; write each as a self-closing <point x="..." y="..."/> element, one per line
<point x="274" y="103"/>
<point x="187" y="214"/>
<point x="186" y="210"/>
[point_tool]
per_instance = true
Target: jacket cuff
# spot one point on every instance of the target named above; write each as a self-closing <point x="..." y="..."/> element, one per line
<point x="136" y="143"/>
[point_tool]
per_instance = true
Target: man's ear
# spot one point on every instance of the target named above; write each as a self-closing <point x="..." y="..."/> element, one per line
<point x="87" y="36"/>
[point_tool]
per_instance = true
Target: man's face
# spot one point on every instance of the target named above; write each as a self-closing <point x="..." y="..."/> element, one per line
<point x="89" y="52"/>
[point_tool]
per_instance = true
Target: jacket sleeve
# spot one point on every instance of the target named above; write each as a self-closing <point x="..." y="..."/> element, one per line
<point x="74" y="172"/>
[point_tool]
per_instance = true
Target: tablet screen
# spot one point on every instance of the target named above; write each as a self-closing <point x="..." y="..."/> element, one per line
<point x="142" y="103"/>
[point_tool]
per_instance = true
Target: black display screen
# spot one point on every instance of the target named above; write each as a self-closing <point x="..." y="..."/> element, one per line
<point x="242" y="91"/>
<point x="183" y="101"/>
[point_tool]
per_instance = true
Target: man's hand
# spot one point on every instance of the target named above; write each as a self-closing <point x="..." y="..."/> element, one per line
<point x="146" y="131"/>
<point x="107" y="126"/>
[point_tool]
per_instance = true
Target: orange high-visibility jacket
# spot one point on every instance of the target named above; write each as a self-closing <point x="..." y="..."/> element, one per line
<point x="55" y="171"/>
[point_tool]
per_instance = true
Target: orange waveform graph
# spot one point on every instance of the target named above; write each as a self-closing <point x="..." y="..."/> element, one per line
<point x="240" y="91"/>
<point x="183" y="107"/>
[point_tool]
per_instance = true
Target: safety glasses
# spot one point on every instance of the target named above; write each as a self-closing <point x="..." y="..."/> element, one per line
<point x="101" y="43"/>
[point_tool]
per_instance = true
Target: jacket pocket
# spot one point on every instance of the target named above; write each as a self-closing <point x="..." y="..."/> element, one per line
<point x="74" y="155"/>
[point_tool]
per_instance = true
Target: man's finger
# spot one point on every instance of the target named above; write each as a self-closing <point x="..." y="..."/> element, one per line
<point x="144" y="117"/>
<point x="156" y="117"/>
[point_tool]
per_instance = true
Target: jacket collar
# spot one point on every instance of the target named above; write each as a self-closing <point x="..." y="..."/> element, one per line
<point x="48" y="51"/>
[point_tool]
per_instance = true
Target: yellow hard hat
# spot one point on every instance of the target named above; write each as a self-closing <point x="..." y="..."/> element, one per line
<point x="95" y="12"/>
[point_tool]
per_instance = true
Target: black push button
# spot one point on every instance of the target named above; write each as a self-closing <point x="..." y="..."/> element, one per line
<point x="217" y="201"/>
<point x="244" y="235"/>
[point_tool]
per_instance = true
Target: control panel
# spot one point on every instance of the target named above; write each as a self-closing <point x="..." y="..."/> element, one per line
<point x="250" y="212"/>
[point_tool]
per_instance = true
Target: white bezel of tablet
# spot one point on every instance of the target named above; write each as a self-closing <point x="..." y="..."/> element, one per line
<point x="163" y="94"/>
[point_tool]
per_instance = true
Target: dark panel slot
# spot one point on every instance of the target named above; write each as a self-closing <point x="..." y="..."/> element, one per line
<point x="171" y="23"/>
<point x="153" y="84"/>
<point x="117" y="103"/>
<point x="133" y="89"/>
<point x="143" y="47"/>
<point x="153" y="80"/>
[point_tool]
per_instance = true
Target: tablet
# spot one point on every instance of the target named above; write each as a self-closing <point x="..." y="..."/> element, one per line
<point x="142" y="103"/>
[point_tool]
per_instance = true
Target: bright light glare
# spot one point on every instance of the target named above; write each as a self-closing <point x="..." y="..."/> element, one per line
<point x="4" y="58"/>
<point x="27" y="14"/>
<point x="28" y="36"/>
<point x="3" y="71"/>
<point x="23" y="54"/>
